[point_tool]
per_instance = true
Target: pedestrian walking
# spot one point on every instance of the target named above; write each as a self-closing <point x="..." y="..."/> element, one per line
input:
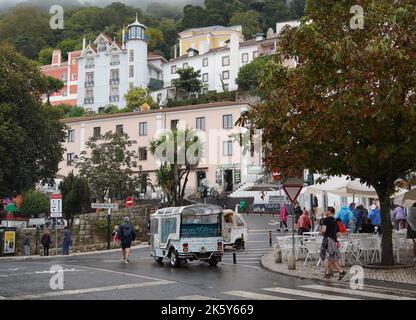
<point x="283" y="218"/>
<point x="375" y="217"/>
<point x="399" y="218"/>
<point x="46" y="241"/>
<point x="127" y="235"/>
<point x="26" y="245"/>
<point x="304" y="222"/>
<point x="297" y="212"/>
<point x="67" y="241"/>
<point x="358" y="213"/>
<point x="329" y="251"/>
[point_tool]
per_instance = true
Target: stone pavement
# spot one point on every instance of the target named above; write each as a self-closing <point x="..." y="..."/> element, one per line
<point x="311" y="271"/>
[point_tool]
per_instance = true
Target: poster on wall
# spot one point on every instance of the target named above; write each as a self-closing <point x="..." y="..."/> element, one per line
<point x="9" y="242"/>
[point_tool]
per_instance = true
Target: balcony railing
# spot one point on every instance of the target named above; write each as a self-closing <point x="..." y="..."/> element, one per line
<point x="89" y="66"/>
<point x="114" y="80"/>
<point x="113" y="63"/>
<point x="89" y="83"/>
<point x="88" y="100"/>
<point x="114" y="98"/>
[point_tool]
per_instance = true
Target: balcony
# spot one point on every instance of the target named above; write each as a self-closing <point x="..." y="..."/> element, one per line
<point x="89" y="66"/>
<point x="88" y="100"/>
<point x="114" y="98"/>
<point x="89" y="83"/>
<point x="114" y="63"/>
<point x="114" y="80"/>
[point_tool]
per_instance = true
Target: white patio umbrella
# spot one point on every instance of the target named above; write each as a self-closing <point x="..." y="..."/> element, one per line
<point x="406" y="199"/>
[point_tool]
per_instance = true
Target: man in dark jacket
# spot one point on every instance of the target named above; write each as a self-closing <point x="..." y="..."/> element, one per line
<point x="127" y="235"/>
<point x="297" y="212"/>
<point x="46" y="241"/>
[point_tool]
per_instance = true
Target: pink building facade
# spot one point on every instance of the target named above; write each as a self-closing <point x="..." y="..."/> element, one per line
<point x="225" y="165"/>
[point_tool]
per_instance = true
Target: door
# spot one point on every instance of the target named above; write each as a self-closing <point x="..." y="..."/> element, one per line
<point x="228" y="180"/>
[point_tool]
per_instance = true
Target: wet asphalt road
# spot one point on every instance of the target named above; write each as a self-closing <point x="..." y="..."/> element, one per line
<point x="103" y="276"/>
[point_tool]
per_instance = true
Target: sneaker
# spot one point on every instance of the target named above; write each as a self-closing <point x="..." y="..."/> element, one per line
<point x="125" y="261"/>
<point x="278" y="230"/>
<point x="286" y="230"/>
<point x="341" y="275"/>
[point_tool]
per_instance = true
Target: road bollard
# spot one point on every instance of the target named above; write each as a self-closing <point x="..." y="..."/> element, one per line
<point x="234" y="256"/>
<point x="270" y="238"/>
<point x="242" y="242"/>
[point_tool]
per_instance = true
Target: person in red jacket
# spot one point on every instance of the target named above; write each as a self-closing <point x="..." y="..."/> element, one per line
<point x="304" y="222"/>
<point x="342" y="228"/>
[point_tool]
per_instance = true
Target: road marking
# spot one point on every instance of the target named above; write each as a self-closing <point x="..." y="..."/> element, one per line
<point x="357" y="292"/>
<point x="248" y="258"/>
<point x="196" y="297"/>
<point x="242" y="265"/>
<point x="88" y="290"/>
<point x="53" y="272"/>
<point x="256" y="241"/>
<point x="255" y="296"/>
<point x="381" y="289"/>
<point x="308" y="294"/>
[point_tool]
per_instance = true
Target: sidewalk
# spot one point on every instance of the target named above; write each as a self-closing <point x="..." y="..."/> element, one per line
<point x="311" y="271"/>
<point x="32" y="257"/>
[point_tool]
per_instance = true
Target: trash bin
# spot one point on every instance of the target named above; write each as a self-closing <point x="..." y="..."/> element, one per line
<point x="7" y="241"/>
<point x="242" y="207"/>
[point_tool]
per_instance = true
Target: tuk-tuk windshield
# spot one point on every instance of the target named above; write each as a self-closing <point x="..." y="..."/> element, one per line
<point x="201" y="221"/>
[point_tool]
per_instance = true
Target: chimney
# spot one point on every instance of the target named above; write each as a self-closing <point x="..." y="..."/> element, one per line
<point x="123" y="39"/>
<point x="259" y="36"/>
<point x="56" y="58"/>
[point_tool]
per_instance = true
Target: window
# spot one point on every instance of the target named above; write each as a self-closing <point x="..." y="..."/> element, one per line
<point x="226" y="87"/>
<point x="74" y="76"/>
<point x="89" y="63"/>
<point x="89" y="93"/>
<point x="115" y="59"/>
<point x="143" y="129"/>
<point x="228" y="148"/>
<point x="71" y="135"/>
<point x="63" y="77"/>
<point x="97" y="132"/>
<point x="114" y="76"/>
<point x="102" y="46"/>
<point x="131" y="71"/>
<point x="89" y="79"/>
<point x="114" y="94"/>
<point x="119" y="129"/>
<point x="74" y="61"/>
<point x="205" y="77"/>
<point x="200" y="123"/>
<point x="70" y="157"/>
<point x="142" y="153"/>
<point x="173" y="69"/>
<point x="255" y="54"/>
<point x="225" y="61"/>
<point x="205" y="62"/>
<point x="131" y="55"/>
<point x="244" y="57"/>
<point x="226" y="75"/>
<point x="64" y="93"/>
<point x="185" y="65"/>
<point x="174" y="124"/>
<point x="227" y="121"/>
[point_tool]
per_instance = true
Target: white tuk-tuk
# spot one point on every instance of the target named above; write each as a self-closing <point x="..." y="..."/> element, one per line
<point x="187" y="233"/>
<point x="234" y="229"/>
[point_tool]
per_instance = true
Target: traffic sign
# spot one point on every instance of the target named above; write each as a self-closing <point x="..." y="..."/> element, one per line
<point x="276" y="174"/>
<point x="56" y="205"/>
<point x="292" y="191"/>
<point x="129" y="202"/>
<point x="104" y="205"/>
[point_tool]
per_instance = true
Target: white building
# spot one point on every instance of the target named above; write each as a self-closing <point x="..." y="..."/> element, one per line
<point x="107" y="70"/>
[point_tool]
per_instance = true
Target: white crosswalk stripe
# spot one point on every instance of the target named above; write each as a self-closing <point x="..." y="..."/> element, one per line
<point x="254" y="295"/>
<point x="358" y="292"/>
<point x="196" y="297"/>
<point x="308" y="294"/>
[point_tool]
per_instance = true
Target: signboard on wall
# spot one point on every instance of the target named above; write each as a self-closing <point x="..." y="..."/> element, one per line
<point x="9" y="242"/>
<point x="237" y="176"/>
<point x="56" y="205"/>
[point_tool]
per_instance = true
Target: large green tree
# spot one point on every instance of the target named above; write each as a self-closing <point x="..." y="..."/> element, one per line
<point x="349" y="107"/>
<point x="108" y="166"/>
<point x="188" y="80"/>
<point x="179" y="152"/>
<point x="35" y="203"/>
<point x="76" y="198"/>
<point x="249" y="21"/>
<point x="31" y="134"/>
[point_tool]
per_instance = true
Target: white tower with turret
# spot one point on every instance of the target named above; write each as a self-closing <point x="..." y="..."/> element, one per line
<point x="136" y="47"/>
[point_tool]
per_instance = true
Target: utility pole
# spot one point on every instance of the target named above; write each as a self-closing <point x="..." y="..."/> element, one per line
<point x="109" y="226"/>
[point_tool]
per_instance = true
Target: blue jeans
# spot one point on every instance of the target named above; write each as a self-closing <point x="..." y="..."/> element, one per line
<point x="65" y="248"/>
<point x="27" y="250"/>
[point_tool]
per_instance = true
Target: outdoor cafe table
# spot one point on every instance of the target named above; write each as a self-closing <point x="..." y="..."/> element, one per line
<point x="312" y="234"/>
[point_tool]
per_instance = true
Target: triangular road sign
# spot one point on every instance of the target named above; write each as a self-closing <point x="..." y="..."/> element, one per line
<point x="292" y="191"/>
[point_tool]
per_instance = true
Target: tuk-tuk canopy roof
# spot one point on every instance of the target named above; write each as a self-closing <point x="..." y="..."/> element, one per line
<point x="194" y="209"/>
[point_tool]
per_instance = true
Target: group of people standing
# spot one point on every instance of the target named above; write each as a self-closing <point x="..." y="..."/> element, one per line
<point x="46" y="242"/>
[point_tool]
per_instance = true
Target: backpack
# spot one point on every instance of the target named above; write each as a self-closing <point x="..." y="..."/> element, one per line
<point x="127" y="233"/>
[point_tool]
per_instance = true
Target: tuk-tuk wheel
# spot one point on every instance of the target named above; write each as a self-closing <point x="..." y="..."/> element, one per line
<point x="238" y="244"/>
<point x="213" y="262"/>
<point x="174" y="260"/>
<point x="159" y="259"/>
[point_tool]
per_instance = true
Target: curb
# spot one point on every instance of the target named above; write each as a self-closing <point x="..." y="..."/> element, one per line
<point x="38" y="257"/>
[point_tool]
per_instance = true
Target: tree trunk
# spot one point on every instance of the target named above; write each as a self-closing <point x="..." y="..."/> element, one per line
<point x="183" y="187"/>
<point x="387" y="258"/>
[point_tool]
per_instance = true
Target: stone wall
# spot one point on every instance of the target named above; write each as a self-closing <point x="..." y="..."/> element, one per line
<point x="89" y="232"/>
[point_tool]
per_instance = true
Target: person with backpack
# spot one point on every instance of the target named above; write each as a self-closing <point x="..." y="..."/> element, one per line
<point x="126" y="235"/>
